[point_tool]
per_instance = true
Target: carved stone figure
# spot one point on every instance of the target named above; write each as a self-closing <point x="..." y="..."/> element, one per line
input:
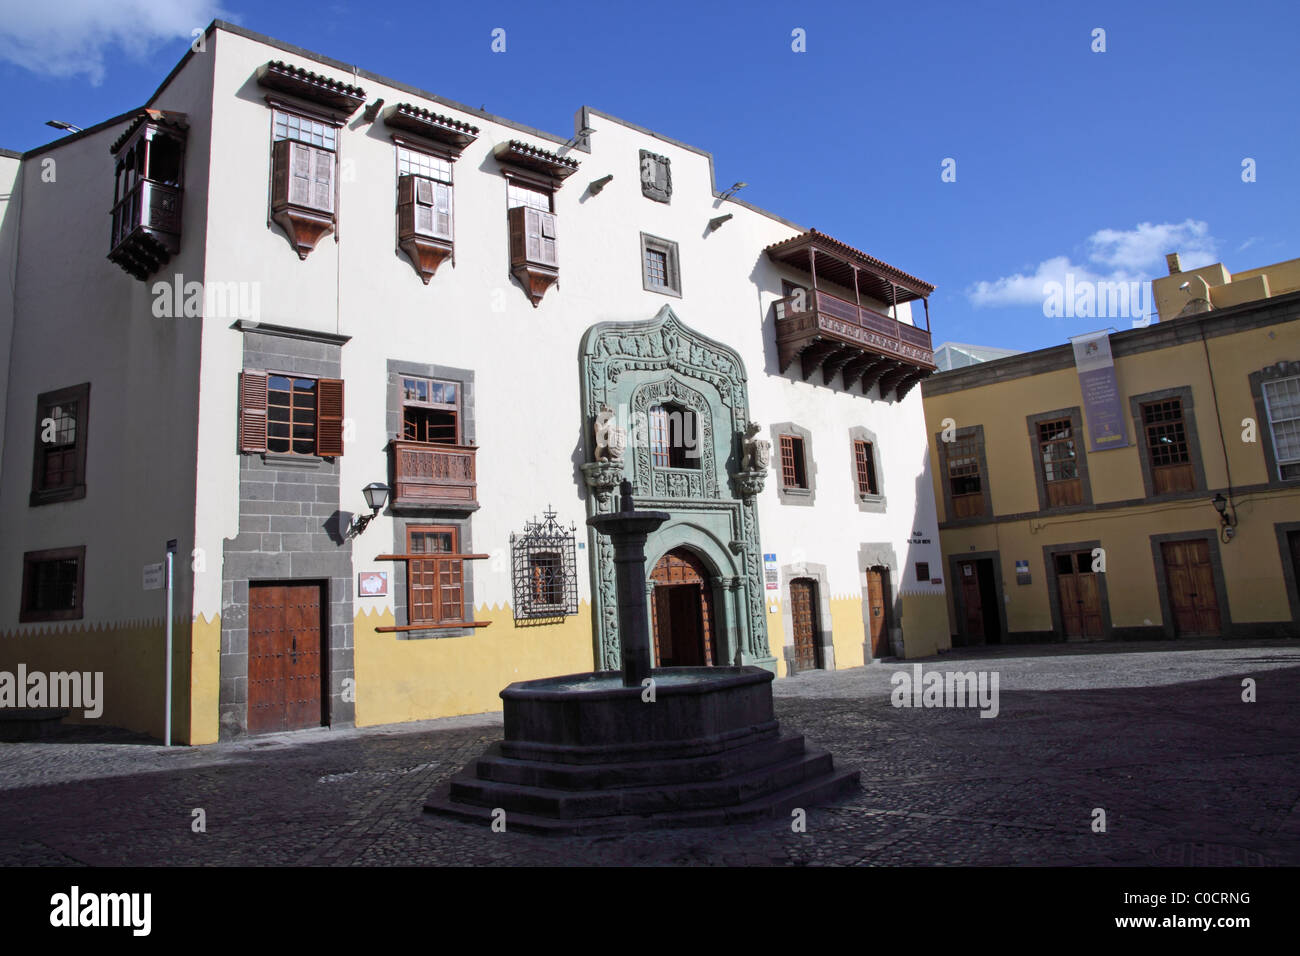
<point x="610" y="439"/>
<point x="758" y="451"/>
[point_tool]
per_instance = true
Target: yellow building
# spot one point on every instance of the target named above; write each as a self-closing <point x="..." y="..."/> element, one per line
<point x="1160" y="501"/>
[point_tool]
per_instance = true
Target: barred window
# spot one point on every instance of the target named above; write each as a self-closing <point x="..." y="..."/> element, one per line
<point x="544" y="564"/>
<point x="52" y="584"/>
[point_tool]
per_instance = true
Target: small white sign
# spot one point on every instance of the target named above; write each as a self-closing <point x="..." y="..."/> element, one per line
<point x="154" y="576"/>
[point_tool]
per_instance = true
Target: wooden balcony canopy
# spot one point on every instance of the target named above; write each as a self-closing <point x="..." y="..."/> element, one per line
<point x="842" y="337"/>
<point x="516" y="153"/>
<point x="321" y="90"/>
<point x="433" y="126"/>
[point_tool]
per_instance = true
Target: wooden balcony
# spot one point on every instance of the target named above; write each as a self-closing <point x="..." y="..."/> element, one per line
<point x="434" y="477"/>
<point x="847" y="341"/>
<point x="146" y="228"/>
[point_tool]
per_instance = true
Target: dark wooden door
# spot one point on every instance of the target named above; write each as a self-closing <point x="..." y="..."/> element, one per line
<point x="284" y="657"/>
<point x="681" y="611"/>
<point x="803" y="616"/>
<point x="1293" y="540"/>
<point x="1079" y="595"/>
<point x="878" y="612"/>
<point x="1193" y="601"/>
<point x="972" y="604"/>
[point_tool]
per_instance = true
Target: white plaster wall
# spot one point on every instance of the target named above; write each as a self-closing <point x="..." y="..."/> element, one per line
<point x="474" y="316"/>
<point x="78" y="318"/>
<point x="10" y="213"/>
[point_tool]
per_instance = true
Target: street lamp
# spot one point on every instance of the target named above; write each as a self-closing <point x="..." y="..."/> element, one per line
<point x="1229" y="523"/>
<point x="375" y="493"/>
<point x="59" y="124"/>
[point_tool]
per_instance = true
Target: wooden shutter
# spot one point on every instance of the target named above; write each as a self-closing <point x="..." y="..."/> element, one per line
<point x="329" y="418"/>
<point x="322" y="179"/>
<point x="252" y="411"/>
<point x="546" y="239"/>
<point x="533" y="233"/>
<point x="442" y="210"/>
<point x="787" y="461"/>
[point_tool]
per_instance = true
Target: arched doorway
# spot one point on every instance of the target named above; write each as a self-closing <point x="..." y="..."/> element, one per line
<point x="681" y="611"/>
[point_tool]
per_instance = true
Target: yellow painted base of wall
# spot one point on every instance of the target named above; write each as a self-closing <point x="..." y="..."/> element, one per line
<point x="925" y="623"/>
<point x="131" y="656"/>
<point x="400" y="680"/>
<point x="848" y="632"/>
<point x="205" y="679"/>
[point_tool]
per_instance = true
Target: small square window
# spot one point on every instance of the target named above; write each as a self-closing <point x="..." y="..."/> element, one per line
<point x="660" y="271"/>
<point x="52" y="584"/>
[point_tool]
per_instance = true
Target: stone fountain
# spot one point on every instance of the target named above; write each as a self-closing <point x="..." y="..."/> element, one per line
<point x="643" y="747"/>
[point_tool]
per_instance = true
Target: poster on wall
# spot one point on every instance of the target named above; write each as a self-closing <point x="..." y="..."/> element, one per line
<point x="1101" y="399"/>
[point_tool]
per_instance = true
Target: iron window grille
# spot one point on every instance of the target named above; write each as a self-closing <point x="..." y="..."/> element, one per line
<point x="544" y="564"/>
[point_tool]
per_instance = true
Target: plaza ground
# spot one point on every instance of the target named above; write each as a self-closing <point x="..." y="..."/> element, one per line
<point x="1156" y="734"/>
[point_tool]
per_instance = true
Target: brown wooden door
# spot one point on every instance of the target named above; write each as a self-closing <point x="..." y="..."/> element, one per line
<point x="878" y="613"/>
<point x="804" y="618"/>
<point x="284" y="657"/>
<point x="1079" y="594"/>
<point x="972" y="603"/>
<point x="681" y="611"/>
<point x="1193" y="601"/>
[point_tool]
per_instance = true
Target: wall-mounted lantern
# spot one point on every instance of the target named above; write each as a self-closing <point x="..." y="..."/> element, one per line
<point x="376" y="494"/>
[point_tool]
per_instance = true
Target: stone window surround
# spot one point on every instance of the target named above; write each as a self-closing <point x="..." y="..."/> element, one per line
<point x="1184" y="394"/>
<point x="1271" y="373"/>
<point x="1081" y="457"/>
<point x="869" y="504"/>
<point x="403" y="518"/>
<point x="39" y="494"/>
<point x="881" y="554"/>
<point x="966" y="431"/>
<point x="672" y="265"/>
<point x="823" y="637"/>
<point x="1210" y="535"/>
<point x="320" y="554"/>
<point x="1054" y="591"/>
<point x="794" y="496"/>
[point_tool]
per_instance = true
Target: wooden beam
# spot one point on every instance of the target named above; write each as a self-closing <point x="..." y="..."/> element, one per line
<point x="905" y="386"/>
<point x="892" y="377"/>
<point x="872" y="373"/>
<point x="811" y="358"/>
<point x="836" y="361"/>
<point x="854" y="367"/>
<point x="431" y="627"/>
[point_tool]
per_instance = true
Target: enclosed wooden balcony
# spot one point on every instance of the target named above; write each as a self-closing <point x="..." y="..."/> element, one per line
<point x="851" y="343"/>
<point x="149" y="187"/>
<point x="434" y="476"/>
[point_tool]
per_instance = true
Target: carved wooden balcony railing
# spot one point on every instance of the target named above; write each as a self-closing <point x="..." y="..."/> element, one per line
<point x="842" y="337"/>
<point x="860" y="344"/>
<point x="434" y="476"/>
<point x="146" y="228"/>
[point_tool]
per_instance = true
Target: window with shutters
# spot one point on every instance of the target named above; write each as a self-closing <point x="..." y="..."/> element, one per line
<point x="435" y="585"/>
<point x="534" y="256"/>
<point x="424" y="209"/>
<point x="53" y="583"/>
<point x="794" y="469"/>
<point x="59" y="459"/>
<point x="288" y="414"/>
<point x="303" y="177"/>
<point x="660" y="271"/>
<point x="864" y="458"/>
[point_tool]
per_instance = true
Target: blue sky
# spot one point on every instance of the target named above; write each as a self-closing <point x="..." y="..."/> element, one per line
<point x="1067" y="160"/>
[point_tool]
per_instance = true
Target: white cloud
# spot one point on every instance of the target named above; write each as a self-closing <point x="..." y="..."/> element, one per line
<point x="1114" y="255"/>
<point x="67" y="38"/>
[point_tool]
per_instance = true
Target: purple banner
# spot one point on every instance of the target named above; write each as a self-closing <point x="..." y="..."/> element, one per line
<point x="1102" y="405"/>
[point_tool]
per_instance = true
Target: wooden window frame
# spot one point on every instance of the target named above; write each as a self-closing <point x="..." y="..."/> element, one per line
<point x="453" y="407"/>
<point x="439" y="619"/>
<point x="864" y="462"/>
<point x="26" y="612"/>
<point x="975" y="435"/>
<point x="554" y="588"/>
<point x="1151" y="472"/>
<point x="40" y="494"/>
<point x="254" y="415"/>
<point x="794" y="463"/>
<point x="1060" y="494"/>
<point x="305" y="223"/>
<point x="664" y="452"/>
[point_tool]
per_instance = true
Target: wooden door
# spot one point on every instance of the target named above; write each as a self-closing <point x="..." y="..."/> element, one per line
<point x="284" y="657"/>
<point x="804" y="619"/>
<point x="878" y="612"/>
<point x="1193" y="601"/>
<point x="971" y="602"/>
<point x="681" y="611"/>
<point x="1079" y="595"/>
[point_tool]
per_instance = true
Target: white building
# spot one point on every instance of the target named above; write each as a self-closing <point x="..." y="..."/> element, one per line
<point x="321" y="279"/>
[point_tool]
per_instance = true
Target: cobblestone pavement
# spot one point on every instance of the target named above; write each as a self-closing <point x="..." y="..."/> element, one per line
<point x="1155" y="734"/>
